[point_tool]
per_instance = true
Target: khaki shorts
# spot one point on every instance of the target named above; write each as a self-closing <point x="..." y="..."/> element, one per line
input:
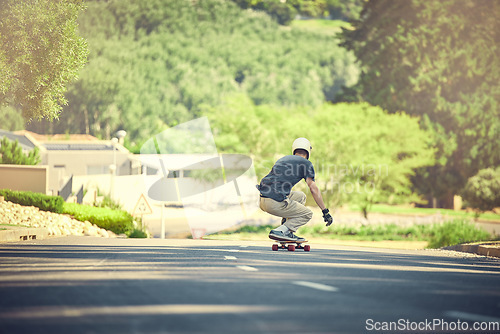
<point x="292" y="208"/>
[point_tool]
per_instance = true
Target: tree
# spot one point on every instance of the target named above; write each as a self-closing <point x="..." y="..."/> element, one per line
<point x="12" y="153"/>
<point x="437" y="60"/>
<point x="362" y="154"/>
<point x="482" y="191"/>
<point x="40" y="53"/>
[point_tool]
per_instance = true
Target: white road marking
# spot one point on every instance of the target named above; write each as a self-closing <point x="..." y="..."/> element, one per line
<point x="243" y="246"/>
<point x="230" y="258"/>
<point x="247" y="268"/>
<point x="470" y="316"/>
<point x="95" y="265"/>
<point x="316" y="286"/>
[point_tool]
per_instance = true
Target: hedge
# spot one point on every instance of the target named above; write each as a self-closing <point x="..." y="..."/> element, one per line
<point x="117" y="221"/>
<point x="28" y="198"/>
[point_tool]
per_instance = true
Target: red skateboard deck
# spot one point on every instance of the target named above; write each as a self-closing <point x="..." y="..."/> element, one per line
<point x="291" y="245"/>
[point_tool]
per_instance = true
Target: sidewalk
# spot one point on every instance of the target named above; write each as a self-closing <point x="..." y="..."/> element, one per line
<point x="15" y="233"/>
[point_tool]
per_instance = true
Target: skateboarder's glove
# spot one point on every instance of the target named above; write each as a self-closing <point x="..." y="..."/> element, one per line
<point x="327" y="217"/>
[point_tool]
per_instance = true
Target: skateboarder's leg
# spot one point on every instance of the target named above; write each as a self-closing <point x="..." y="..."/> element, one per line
<point x="296" y="213"/>
<point x="273" y="207"/>
<point x="298" y="196"/>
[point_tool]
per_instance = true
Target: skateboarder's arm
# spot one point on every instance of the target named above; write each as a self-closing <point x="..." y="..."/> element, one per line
<point x="316" y="193"/>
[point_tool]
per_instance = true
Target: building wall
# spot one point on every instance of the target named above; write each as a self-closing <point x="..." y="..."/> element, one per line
<point x="75" y="156"/>
<point x="63" y="164"/>
<point x="24" y="178"/>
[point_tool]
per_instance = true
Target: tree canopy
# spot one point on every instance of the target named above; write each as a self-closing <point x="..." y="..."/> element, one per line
<point x="438" y="60"/>
<point x="40" y="53"/>
<point x="158" y="61"/>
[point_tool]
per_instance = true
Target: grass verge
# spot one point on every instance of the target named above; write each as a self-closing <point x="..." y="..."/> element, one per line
<point x="436" y="235"/>
<point x="401" y="210"/>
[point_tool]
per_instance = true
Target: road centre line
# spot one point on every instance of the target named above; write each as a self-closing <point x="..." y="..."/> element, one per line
<point x="247" y="268"/>
<point x="230" y="257"/>
<point x="316" y="286"/>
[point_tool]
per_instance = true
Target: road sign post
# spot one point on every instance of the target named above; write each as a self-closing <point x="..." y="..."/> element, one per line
<point x="162" y="234"/>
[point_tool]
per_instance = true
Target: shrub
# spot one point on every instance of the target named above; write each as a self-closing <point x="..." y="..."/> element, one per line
<point x="456" y="232"/>
<point x="482" y="191"/>
<point x="28" y="198"/>
<point x="138" y="233"/>
<point x="117" y="221"/>
<point x="139" y="230"/>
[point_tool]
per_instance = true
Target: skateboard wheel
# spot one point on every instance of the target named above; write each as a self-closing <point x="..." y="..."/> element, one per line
<point x="291" y="248"/>
<point x="275" y="247"/>
<point x="307" y="248"/>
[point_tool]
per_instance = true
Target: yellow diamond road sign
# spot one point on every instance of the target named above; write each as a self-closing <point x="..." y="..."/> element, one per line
<point x="142" y="207"/>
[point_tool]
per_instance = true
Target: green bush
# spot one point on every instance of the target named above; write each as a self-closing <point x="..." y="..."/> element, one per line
<point x="138" y="233"/>
<point x="139" y="230"/>
<point x="117" y="221"/>
<point x="456" y="232"/>
<point x="28" y="198"/>
<point x="482" y="191"/>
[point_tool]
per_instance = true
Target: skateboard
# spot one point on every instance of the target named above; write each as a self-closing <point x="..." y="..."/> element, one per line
<point x="291" y="245"/>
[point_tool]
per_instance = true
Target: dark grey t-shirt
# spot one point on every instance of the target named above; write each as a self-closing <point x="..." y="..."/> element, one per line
<point x="286" y="173"/>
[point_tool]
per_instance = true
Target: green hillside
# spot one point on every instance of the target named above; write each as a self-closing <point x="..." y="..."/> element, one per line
<point x="152" y="64"/>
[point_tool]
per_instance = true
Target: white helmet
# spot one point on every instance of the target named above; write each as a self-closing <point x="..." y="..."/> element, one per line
<point x="302" y="143"/>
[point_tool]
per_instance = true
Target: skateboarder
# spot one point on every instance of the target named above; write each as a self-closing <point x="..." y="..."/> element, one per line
<point x="278" y="199"/>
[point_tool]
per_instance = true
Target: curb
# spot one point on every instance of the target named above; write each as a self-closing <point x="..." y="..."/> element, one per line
<point x="492" y="250"/>
<point x="489" y="250"/>
<point x="24" y="234"/>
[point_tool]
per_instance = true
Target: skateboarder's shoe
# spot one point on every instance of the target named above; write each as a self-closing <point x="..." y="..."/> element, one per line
<point x="279" y="236"/>
<point x="287" y="236"/>
<point x="298" y="239"/>
<point x="283" y="220"/>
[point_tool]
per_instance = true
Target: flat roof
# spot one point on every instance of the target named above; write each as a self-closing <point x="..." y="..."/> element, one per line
<point x="77" y="147"/>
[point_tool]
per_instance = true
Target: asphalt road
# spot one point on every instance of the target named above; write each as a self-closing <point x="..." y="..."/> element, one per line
<point x="90" y="285"/>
